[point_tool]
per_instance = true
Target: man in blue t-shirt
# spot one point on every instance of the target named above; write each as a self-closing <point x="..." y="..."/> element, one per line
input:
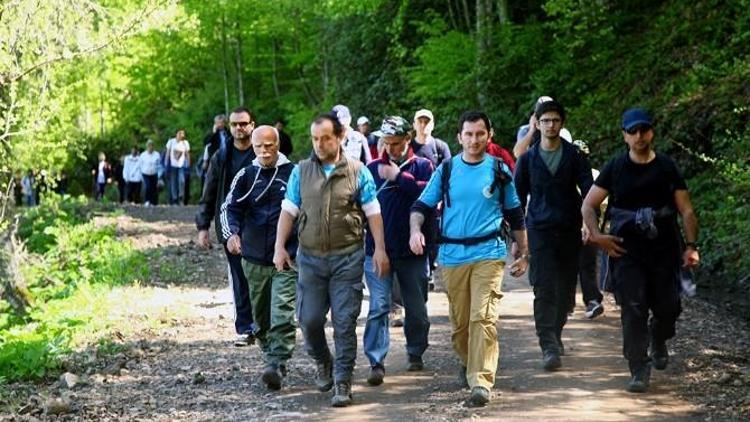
<point x="478" y="193"/>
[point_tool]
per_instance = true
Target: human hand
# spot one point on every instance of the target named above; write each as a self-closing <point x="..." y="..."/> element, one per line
<point x="234" y="245"/>
<point x="417" y="243"/>
<point x="611" y="244"/>
<point x="585" y="235"/>
<point x="690" y="258"/>
<point x="388" y="171"/>
<point x="380" y="262"/>
<point x="203" y="241"/>
<point x="281" y="259"/>
<point x="532" y="123"/>
<point x="519" y="266"/>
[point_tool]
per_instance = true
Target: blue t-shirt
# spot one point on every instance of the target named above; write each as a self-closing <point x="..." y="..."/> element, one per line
<point x="366" y="193"/>
<point x="474" y="212"/>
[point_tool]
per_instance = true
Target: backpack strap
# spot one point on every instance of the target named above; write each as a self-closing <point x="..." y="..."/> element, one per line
<point x="501" y="178"/>
<point x="445" y="177"/>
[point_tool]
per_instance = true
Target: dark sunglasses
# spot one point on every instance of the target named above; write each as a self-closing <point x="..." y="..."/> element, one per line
<point x="240" y="124"/>
<point x="638" y="128"/>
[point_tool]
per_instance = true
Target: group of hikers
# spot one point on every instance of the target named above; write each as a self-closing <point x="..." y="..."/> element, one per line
<point x="301" y="238"/>
<point x="139" y="175"/>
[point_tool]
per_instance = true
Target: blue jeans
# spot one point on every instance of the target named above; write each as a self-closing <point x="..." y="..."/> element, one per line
<point x="413" y="277"/>
<point x="332" y="282"/>
<point x="176" y="185"/>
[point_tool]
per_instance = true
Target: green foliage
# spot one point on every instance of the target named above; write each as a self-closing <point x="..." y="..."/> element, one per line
<point x="37" y="225"/>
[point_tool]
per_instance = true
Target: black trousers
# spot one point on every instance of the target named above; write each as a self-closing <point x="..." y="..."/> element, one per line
<point x="553" y="273"/>
<point x="243" y="310"/>
<point x="133" y="192"/>
<point x="649" y="295"/>
<point x="152" y="194"/>
<point x="587" y="262"/>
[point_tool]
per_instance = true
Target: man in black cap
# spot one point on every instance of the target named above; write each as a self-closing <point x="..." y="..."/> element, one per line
<point x="644" y="243"/>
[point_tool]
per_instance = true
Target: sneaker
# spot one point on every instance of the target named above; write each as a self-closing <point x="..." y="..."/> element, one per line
<point x="324" y="374"/>
<point x="342" y="394"/>
<point x="245" y="339"/>
<point x="415" y="363"/>
<point x="551" y="361"/>
<point x="640" y="380"/>
<point x="397" y="317"/>
<point x="480" y="396"/>
<point x="462" y="377"/>
<point x="377" y="373"/>
<point x="594" y="309"/>
<point x="659" y="355"/>
<point x="272" y="376"/>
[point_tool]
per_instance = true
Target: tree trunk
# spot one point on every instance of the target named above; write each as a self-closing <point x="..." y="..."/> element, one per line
<point x="503" y="14"/>
<point x="452" y="14"/>
<point x="467" y="16"/>
<point x="240" y="64"/>
<point x="225" y="71"/>
<point x="483" y="39"/>
<point x="274" y="77"/>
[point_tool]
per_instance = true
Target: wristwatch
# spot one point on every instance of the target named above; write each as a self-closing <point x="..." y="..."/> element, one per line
<point x="692" y="245"/>
<point x="525" y="256"/>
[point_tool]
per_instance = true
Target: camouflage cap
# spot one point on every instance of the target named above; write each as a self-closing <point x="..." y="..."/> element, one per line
<point x="393" y="126"/>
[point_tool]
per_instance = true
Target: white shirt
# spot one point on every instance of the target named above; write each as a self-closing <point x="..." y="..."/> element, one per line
<point x="100" y="177"/>
<point x="149" y="162"/>
<point x="178" y="151"/>
<point x="354" y="144"/>
<point x="131" y="171"/>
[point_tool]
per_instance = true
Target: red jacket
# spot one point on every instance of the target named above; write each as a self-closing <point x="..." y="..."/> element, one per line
<point x="496" y="150"/>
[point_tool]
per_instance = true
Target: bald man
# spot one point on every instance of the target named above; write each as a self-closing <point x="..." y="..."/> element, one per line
<point x="249" y="217"/>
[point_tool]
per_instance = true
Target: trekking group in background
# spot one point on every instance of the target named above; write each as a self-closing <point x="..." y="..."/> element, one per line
<point x="385" y="210"/>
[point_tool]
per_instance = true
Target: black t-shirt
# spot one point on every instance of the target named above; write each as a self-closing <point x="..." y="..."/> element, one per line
<point x="240" y="159"/>
<point x="644" y="185"/>
<point x="285" y="143"/>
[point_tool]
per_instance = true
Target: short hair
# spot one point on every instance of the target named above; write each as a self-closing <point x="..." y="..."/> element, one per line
<point x="221" y="117"/>
<point x="243" y="109"/>
<point x="338" y="128"/>
<point x="473" y="116"/>
<point x="549" y="106"/>
<point x="262" y="128"/>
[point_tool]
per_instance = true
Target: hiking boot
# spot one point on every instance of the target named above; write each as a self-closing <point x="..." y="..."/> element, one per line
<point x="377" y="373"/>
<point x="551" y="361"/>
<point x="640" y="379"/>
<point x="415" y="363"/>
<point x="594" y="309"/>
<point x="324" y="374"/>
<point x="561" y="347"/>
<point x="659" y="355"/>
<point x="342" y="394"/>
<point x="480" y="396"/>
<point x="462" y="377"/>
<point x="272" y="376"/>
<point x="244" y="339"/>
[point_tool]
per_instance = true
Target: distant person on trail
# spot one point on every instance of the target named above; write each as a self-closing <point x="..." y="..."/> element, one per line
<point x="496" y="150"/>
<point x="178" y="153"/>
<point x="286" y="146"/>
<point x="28" y="185"/>
<point x="249" y="217"/>
<point x="477" y="193"/>
<point x="424" y="144"/>
<point x="332" y="196"/>
<point x="132" y="175"/>
<point x="646" y="193"/>
<point x="400" y="177"/>
<point x="224" y="165"/>
<point x="555" y="174"/>
<point x="102" y="174"/>
<point x="363" y="126"/>
<point x="355" y="144"/>
<point x="528" y="134"/>
<point x="149" y="164"/>
<point x="218" y="136"/>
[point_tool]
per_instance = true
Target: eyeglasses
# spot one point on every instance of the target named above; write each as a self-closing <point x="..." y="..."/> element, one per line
<point x="550" y="122"/>
<point x="240" y="124"/>
<point x="638" y="128"/>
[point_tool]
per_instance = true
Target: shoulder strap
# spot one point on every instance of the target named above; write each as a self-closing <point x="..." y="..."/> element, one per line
<point x="445" y="177"/>
<point x="500" y="179"/>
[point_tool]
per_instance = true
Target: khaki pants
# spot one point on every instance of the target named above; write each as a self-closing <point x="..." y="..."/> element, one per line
<point x="473" y="295"/>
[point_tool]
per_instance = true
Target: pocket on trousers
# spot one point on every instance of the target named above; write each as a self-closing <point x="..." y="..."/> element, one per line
<point x="493" y="302"/>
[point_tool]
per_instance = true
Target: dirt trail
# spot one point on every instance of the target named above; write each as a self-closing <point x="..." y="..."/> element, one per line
<point x="190" y="371"/>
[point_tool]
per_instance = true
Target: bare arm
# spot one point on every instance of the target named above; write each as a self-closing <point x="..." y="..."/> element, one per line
<point x="592" y="202"/>
<point x="379" y="258"/>
<point x="522" y="145"/>
<point x="690" y="258"/>
<point x="416" y="238"/>
<point x="281" y="258"/>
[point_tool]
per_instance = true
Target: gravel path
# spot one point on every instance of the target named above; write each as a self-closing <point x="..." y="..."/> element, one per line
<point x="190" y="371"/>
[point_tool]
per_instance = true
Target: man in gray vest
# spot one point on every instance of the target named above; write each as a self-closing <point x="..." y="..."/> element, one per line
<point x="330" y="195"/>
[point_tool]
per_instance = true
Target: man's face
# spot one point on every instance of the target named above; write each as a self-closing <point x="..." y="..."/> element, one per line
<point x="134" y="151"/>
<point x="550" y="124"/>
<point x="325" y="143"/>
<point x="421" y="124"/>
<point x="364" y="128"/>
<point x="241" y="126"/>
<point x="395" y="145"/>
<point x="220" y="124"/>
<point x="266" y="147"/>
<point x="180" y="135"/>
<point x="474" y="137"/>
<point x="640" y="138"/>
<point x="150" y="147"/>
